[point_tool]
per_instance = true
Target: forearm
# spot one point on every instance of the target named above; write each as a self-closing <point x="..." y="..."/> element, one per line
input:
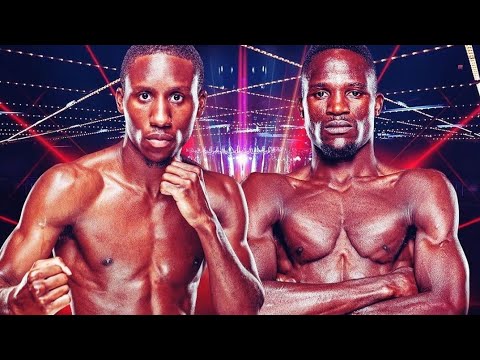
<point x="5" y="291"/>
<point x="316" y="299"/>
<point x="235" y="290"/>
<point x="426" y="303"/>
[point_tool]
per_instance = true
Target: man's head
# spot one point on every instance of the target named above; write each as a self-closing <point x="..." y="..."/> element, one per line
<point x="161" y="96"/>
<point x="187" y="52"/>
<point x="339" y="99"/>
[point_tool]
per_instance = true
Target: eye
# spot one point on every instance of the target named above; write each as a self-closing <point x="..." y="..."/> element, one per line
<point x="321" y="94"/>
<point x="144" y="96"/>
<point x="176" y="98"/>
<point x="355" y="93"/>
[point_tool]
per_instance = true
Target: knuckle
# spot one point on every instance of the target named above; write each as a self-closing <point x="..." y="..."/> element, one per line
<point x="32" y="276"/>
<point x="42" y="302"/>
<point x="37" y="264"/>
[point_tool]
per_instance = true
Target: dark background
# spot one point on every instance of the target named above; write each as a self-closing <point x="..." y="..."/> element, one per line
<point x="267" y="134"/>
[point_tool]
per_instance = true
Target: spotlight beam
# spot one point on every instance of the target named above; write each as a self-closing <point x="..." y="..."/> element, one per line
<point x="441" y="142"/>
<point x="60" y="156"/>
<point x="69" y="105"/>
<point x="29" y="173"/>
<point x="468" y="223"/>
<point x="387" y="65"/>
<point x="8" y="220"/>
<point x="100" y="68"/>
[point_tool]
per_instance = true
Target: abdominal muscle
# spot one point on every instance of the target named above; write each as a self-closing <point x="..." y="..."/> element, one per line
<point x="138" y="296"/>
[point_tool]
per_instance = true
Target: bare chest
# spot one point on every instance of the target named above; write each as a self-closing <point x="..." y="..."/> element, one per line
<point x="128" y="238"/>
<point x="359" y="226"/>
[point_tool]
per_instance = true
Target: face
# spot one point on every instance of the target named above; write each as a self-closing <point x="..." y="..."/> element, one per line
<point x="339" y="103"/>
<point x="160" y="102"/>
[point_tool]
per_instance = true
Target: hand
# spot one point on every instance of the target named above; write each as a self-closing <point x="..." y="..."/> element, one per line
<point x="404" y="283"/>
<point x="43" y="290"/>
<point x="184" y="182"/>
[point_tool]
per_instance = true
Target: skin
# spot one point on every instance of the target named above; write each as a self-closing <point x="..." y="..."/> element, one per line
<point x="350" y="235"/>
<point x="134" y="225"/>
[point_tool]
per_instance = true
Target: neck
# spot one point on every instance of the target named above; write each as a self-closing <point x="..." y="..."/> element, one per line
<point x="363" y="163"/>
<point x="138" y="171"/>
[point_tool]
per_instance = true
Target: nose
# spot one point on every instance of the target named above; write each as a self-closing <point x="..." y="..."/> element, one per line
<point x="161" y="114"/>
<point x="337" y="104"/>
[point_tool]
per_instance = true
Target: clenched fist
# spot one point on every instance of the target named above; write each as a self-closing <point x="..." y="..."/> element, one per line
<point x="185" y="183"/>
<point x="43" y="290"/>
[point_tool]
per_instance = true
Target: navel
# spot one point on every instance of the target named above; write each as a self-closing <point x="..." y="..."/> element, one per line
<point x="107" y="261"/>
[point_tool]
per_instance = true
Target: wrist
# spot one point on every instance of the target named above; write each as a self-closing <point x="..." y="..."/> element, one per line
<point x="10" y="301"/>
<point x="205" y="224"/>
<point x="391" y="285"/>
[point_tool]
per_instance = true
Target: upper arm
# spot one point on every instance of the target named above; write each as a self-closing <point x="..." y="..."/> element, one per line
<point x="231" y="210"/>
<point x="262" y="214"/>
<point x="47" y="209"/>
<point x="440" y="263"/>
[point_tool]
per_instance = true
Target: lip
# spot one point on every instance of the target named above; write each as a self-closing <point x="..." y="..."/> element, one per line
<point x="337" y="123"/>
<point x="336" y="127"/>
<point x="159" y="137"/>
<point x="159" y="140"/>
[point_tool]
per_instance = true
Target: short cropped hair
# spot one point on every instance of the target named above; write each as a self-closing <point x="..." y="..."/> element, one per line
<point x="187" y="52"/>
<point x="359" y="49"/>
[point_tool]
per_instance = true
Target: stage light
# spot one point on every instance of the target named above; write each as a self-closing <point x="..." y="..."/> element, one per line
<point x="242" y="158"/>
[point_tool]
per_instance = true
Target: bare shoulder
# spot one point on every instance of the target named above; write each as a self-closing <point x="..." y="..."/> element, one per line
<point x="220" y="185"/>
<point x="69" y="181"/>
<point x="426" y="186"/>
<point x="266" y="183"/>
<point x="424" y="179"/>
<point x="78" y="182"/>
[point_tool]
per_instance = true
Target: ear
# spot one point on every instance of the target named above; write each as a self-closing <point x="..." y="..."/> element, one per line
<point x="119" y="99"/>
<point x="379" y="98"/>
<point x="300" y="107"/>
<point x="202" y="102"/>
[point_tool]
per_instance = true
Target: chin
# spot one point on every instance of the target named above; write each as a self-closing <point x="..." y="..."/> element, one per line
<point x="157" y="162"/>
<point x="157" y="157"/>
<point x="330" y="152"/>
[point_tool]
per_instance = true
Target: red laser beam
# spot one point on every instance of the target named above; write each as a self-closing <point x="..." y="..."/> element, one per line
<point x="29" y="173"/>
<point x="60" y="156"/>
<point x="417" y="136"/>
<point x="34" y="103"/>
<point x="100" y="68"/>
<point x="387" y="64"/>
<point x="8" y="220"/>
<point x="440" y="143"/>
<point x="468" y="223"/>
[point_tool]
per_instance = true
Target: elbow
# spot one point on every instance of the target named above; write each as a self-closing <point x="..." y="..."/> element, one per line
<point x="452" y="304"/>
<point x="258" y="299"/>
<point x="249" y="306"/>
<point x="458" y="297"/>
<point x="458" y="305"/>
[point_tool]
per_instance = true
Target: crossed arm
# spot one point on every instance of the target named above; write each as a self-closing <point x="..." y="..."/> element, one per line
<point x="440" y="265"/>
<point x="440" y="268"/>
